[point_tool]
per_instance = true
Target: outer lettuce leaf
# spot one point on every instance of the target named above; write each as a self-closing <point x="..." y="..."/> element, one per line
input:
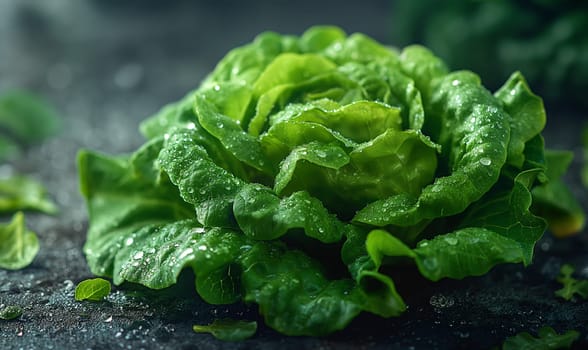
<point x="527" y="115"/>
<point x="500" y="229"/>
<point x="122" y="200"/>
<point x="554" y="201"/>
<point x="298" y="300"/>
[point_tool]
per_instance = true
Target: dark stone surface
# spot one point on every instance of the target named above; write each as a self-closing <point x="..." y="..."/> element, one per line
<point x="107" y="65"/>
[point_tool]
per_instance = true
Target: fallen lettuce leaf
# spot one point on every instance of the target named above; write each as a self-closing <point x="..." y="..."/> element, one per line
<point x="547" y="339"/>
<point x="228" y="329"/>
<point x="27" y="117"/>
<point x="10" y="312"/>
<point x="95" y="289"/>
<point x="23" y="193"/>
<point x="571" y="286"/>
<point x="303" y="170"/>
<point x="18" y="246"/>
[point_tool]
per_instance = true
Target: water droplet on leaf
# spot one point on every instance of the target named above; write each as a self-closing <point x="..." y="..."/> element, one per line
<point x="485" y="161"/>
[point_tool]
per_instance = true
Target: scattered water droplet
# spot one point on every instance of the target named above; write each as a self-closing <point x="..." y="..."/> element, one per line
<point x="455" y="82"/>
<point x="441" y="301"/>
<point x="109" y="319"/>
<point x="191" y="126"/>
<point x="217" y="87"/>
<point x="202" y="247"/>
<point x="138" y="255"/>
<point x="129" y="241"/>
<point x="485" y="161"/>
<point x="68" y="284"/>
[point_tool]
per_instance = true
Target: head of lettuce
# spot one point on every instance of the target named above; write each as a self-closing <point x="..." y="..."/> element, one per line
<point x="304" y="170"/>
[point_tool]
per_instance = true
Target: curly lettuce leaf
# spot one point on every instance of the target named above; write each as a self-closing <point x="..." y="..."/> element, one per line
<point x="500" y="230"/>
<point x="571" y="286"/>
<point x="472" y="129"/>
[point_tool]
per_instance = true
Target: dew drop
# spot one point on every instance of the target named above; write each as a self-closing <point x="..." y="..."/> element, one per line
<point x="191" y="126"/>
<point x="138" y="255"/>
<point x="199" y="230"/>
<point x="202" y="247"/>
<point x="216" y="87"/>
<point x="485" y="161"/>
<point x="129" y="241"/>
<point x="185" y="253"/>
<point x="455" y="82"/>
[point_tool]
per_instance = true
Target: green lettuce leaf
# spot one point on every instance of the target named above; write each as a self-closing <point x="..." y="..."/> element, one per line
<point x="547" y="339"/>
<point x="554" y="201"/>
<point x="95" y="289"/>
<point x="571" y="286"/>
<point x="228" y="330"/>
<point x="10" y="312"/>
<point x="304" y="171"/>
<point x="18" y="246"/>
<point x="24" y="193"/>
<point x="27" y="118"/>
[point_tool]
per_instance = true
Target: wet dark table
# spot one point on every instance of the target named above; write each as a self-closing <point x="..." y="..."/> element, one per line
<point x="106" y="66"/>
